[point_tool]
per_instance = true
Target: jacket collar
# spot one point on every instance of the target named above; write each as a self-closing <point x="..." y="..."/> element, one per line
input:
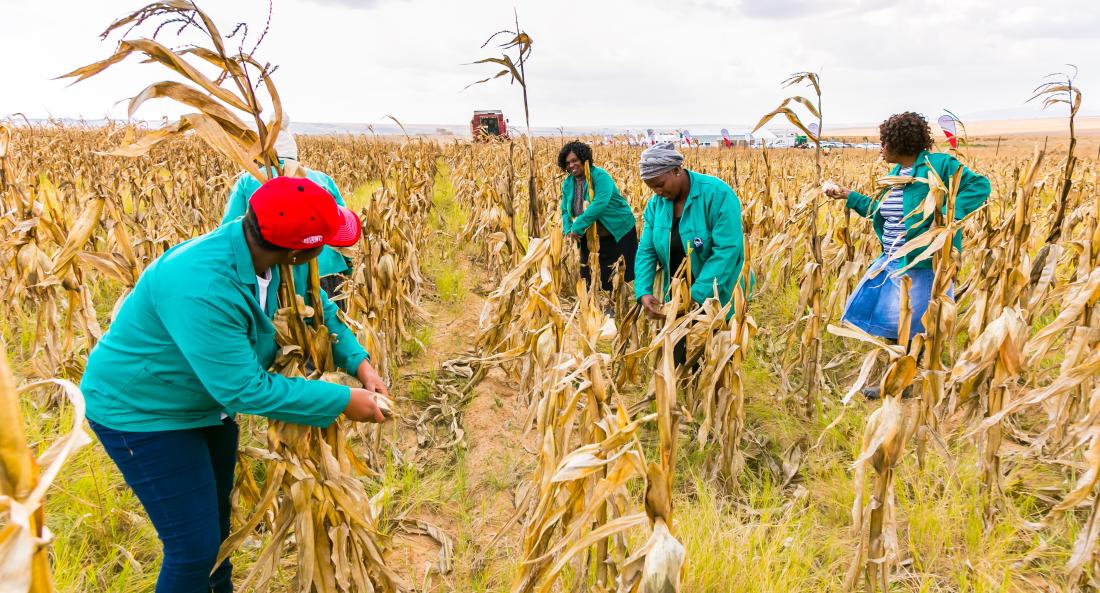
<point x="693" y="191"/>
<point x="920" y="161"/>
<point x="242" y="258"/>
<point x="246" y="272"/>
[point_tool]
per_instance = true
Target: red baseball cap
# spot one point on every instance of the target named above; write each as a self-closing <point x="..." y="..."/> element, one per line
<point x="296" y="213"/>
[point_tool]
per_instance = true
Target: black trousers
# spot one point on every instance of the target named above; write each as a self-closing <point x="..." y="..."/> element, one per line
<point x="331" y="285"/>
<point x="679" y="352"/>
<point x="610" y="252"/>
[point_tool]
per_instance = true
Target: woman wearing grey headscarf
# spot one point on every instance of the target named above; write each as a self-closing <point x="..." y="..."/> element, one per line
<point x="692" y="227"/>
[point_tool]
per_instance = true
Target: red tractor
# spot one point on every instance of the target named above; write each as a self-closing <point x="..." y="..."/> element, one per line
<point x="488" y="124"/>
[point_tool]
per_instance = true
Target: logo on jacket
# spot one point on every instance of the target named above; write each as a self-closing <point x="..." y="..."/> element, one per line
<point x="697" y="242"/>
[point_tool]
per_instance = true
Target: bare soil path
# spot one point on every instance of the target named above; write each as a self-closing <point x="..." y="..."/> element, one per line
<point x="468" y="492"/>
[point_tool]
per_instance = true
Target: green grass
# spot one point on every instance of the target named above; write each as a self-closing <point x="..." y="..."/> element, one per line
<point x="450" y="284"/>
<point x="358" y="198"/>
<point x="420" y="388"/>
<point x="450" y="217"/>
<point x="422" y="337"/>
<point x="17" y="332"/>
<point x="442" y="260"/>
<point x="102" y="540"/>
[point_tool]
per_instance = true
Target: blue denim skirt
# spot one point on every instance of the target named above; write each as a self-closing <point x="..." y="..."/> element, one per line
<point x="875" y="306"/>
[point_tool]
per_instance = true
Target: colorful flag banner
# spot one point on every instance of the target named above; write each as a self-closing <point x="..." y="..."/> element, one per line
<point x="947" y="124"/>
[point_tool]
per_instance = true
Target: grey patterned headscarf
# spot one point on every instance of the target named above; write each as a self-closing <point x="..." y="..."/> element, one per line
<point x="660" y="159"/>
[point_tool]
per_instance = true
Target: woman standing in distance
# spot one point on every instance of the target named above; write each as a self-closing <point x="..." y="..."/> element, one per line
<point x="608" y="210"/>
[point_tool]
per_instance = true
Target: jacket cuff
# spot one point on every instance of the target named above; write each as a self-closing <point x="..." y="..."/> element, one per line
<point x="352" y="362"/>
<point x="850" y="200"/>
<point x="340" y="401"/>
<point x="698" y="294"/>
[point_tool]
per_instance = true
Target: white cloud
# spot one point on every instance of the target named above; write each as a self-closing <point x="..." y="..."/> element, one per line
<point x="350" y="3"/>
<point x="609" y="62"/>
<point x="785" y="9"/>
<point x="1075" y="20"/>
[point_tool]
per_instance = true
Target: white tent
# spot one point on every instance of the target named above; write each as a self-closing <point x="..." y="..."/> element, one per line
<point x="741" y="137"/>
<point x="738" y="136"/>
<point x="763" y="136"/>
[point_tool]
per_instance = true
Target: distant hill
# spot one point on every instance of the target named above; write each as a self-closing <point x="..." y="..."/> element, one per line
<point x="1046" y="126"/>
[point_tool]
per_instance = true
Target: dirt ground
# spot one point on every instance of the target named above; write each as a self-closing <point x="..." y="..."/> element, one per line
<point x="475" y="507"/>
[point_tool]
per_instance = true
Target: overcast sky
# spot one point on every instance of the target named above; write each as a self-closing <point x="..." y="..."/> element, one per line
<point x="595" y="62"/>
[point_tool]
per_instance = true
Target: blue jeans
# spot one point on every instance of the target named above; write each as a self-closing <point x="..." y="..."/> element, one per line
<point x="183" y="478"/>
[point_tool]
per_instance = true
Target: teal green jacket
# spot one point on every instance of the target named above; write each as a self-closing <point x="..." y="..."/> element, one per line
<point x="191" y="342"/>
<point x="330" y="261"/>
<point x="710" y="227"/>
<point x="973" y="192"/>
<point x="608" y="207"/>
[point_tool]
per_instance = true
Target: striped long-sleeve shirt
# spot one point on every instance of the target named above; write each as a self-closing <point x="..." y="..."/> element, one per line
<point x="892" y="210"/>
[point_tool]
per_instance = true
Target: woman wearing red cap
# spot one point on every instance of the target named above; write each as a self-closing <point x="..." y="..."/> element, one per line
<point x="190" y="347"/>
<point x="332" y="266"/>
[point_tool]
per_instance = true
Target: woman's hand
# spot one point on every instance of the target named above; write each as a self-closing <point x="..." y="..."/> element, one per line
<point x="370" y="379"/>
<point x="652" y="307"/>
<point x="363" y="407"/>
<point x="373" y="385"/>
<point x="835" y="191"/>
<point x="574" y="236"/>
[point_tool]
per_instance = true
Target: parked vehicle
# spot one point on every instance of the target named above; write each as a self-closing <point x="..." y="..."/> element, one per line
<point x="488" y="124"/>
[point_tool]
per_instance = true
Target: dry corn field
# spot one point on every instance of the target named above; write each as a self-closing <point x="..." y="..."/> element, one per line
<point x="533" y="450"/>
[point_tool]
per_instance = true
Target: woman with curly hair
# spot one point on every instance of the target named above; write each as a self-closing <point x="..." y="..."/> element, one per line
<point x="608" y="210"/>
<point x="896" y="216"/>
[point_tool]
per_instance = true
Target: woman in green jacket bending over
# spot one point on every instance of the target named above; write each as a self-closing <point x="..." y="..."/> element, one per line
<point x="191" y="347"/>
<point x="896" y="217"/>
<point x="608" y="210"/>
<point x="693" y="217"/>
